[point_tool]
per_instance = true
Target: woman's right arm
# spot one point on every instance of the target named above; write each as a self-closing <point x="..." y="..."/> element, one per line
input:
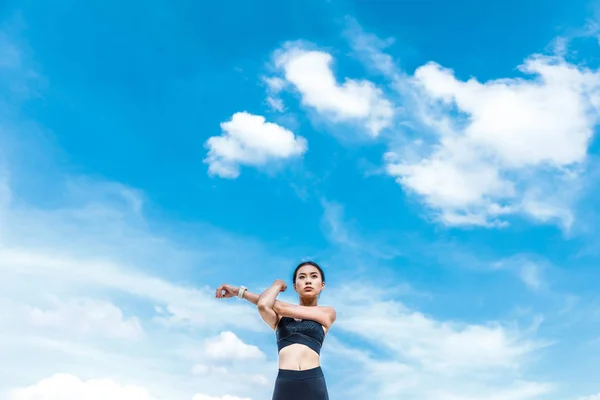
<point x="266" y="303"/>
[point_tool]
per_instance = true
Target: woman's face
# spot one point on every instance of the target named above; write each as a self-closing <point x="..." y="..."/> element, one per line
<point x="309" y="282"/>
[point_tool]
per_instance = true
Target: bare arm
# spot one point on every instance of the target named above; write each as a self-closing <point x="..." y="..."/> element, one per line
<point x="251" y="297"/>
<point x="267" y="301"/>
<point x="326" y="316"/>
<point x="228" y="291"/>
<point x="273" y="309"/>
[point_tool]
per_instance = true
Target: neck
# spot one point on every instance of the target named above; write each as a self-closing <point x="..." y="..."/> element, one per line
<point x="308" y="301"/>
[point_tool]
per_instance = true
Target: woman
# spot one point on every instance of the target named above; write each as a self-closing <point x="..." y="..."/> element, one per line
<point x="300" y="331"/>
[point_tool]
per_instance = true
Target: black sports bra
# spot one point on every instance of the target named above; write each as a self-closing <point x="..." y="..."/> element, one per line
<point x="306" y="332"/>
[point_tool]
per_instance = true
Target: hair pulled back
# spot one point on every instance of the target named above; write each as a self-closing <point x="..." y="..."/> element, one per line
<point x="314" y="264"/>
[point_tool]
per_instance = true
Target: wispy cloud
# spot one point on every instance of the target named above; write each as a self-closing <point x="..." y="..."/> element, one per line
<point x="530" y="270"/>
<point x="274" y="87"/>
<point x="592" y="397"/>
<point x="84" y="317"/>
<point x="341" y="231"/>
<point x="74" y="287"/>
<point x="408" y="354"/>
<point x="426" y="357"/>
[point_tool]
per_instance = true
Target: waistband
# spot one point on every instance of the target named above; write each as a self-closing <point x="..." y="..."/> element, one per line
<point x="312" y="373"/>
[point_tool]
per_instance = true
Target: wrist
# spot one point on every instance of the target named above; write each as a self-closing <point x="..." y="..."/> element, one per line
<point x="241" y="291"/>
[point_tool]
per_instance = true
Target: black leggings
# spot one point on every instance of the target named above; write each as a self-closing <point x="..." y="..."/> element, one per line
<point x="308" y="384"/>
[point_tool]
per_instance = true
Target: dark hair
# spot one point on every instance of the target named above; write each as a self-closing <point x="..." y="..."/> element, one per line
<point x="302" y="264"/>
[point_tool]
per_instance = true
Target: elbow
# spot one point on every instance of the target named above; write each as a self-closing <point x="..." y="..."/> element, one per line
<point x="262" y="306"/>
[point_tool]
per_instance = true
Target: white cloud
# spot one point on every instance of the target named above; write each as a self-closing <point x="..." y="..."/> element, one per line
<point x="519" y="391"/>
<point x="309" y="71"/>
<point x="370" y="49"/>
<point x="227" y="346"/>
<point x="203" y="369"/>
<point x="428" y="358"/>
<point x="274" y="86"/>
<point x="67" y="273"/>
<point x="592" y="397"/>
<point x="249" y="140"/>
<point x="97" y="244"/>
<point x="502" y="146"/>
<point x="530" y="274"/>
<point x="224" y="374"/>
<point x="528" y="270"/>
<point x="85" y="316"/>
<point x="222" y="356"/>
<point x="436" y="345"/>
<point x="182" y="305"/>
<point x="275" y="103"/>
<point x="342" y="232"/>
<point x="69" y="387"/>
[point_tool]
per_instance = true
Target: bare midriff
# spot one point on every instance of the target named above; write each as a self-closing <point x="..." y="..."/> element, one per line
<point x="298" y="357"/>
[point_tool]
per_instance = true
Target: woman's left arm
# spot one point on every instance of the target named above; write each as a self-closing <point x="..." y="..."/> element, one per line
<point x="324" y="315"/>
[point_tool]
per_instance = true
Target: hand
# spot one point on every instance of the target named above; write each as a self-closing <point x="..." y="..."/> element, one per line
<point x="226" y="291"/>
<point x="282" y="284"/>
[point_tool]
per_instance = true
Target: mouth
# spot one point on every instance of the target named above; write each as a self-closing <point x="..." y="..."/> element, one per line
<point x="308" y="288"/>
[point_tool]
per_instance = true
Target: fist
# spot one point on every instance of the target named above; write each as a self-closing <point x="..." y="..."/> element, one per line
<point x="226" y="291"/>
<point x="281" y="284"/>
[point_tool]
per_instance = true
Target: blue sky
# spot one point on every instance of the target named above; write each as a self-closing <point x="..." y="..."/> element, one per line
<point x="439" y="160"/>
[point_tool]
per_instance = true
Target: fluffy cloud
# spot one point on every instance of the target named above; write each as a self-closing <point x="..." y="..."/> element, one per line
<point x="224" y="374"/>
<point x="249" y="140"/>
<point x="221" y="353"/>
<point x="69" y="387"/>
<point x="502" y="146"/>
<point x="228" y="347"/>
<point x="475" y="152"/>
<point x="309" y="71"/>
